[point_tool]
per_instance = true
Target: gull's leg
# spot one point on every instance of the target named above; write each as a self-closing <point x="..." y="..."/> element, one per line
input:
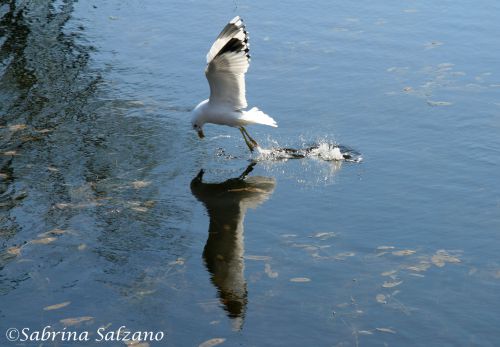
<point x="254" y="143"/>
<point x="249" y="144"/>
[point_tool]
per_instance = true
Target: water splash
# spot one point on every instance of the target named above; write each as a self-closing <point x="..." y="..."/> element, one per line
<point x="324" y="151"/>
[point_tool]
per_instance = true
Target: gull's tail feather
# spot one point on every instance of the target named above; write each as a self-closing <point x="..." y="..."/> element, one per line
<point x="256" y="116"/>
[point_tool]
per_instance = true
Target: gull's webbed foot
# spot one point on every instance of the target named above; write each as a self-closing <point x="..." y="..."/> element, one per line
<point x="251" y="143"/>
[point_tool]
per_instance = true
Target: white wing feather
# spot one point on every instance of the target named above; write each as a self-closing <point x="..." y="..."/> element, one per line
<point x="227" y="62"/>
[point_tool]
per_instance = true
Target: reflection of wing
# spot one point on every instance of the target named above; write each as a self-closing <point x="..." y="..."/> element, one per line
<point x="227" y="63"/>
<point x="226" y="204"/>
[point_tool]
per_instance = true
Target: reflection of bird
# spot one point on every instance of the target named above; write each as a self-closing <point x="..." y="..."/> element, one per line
<point x="227" y="63"/>
<point x="226" y="204"/>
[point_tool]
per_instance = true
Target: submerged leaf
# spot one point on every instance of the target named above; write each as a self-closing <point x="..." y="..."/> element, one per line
<point x="52" y="232"/>
<point x="300" y="279"/>
<point x="212" y="342"/>
<point x="149" y="203"/>
<point x="257" y="257"/>
<point x="56" y="306"/>
<point x="385" y="330"/>
<point x="15" y="250"/>
<point x="365" y="332"/>
<point x="303" y="245"/>
<point x="63" y="205"/>
<point x="8" y="153"/>
<point x="324" y="235"/>
<point x="342" y="256"/>
<point x="136" y="343"/>
<point x="404" y="252"/>
<point x="178" y="261"/>
<point x="389" y="273"/>
<point x="438" y="103"/>
<point x="76" y="320"/>
<point x="442" y="257"/>
<point x="17" y="127"/>
<point x="472" y="271"/>
<point x="383" y="248"/>
<point x="140" y="184"/>
<point x="433" y="44"/>
<point x="437" y="261"/>
<point x="391" y="284"/>
<point x="419" y="267"/>
<point x="269" y="272"/>
<point x="44" y="241"/>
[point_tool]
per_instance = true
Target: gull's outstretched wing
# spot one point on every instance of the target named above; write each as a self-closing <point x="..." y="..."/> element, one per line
<point x="227" y="63"/>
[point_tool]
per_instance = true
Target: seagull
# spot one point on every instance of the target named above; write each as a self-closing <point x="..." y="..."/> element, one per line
<point x="227" y="62"/>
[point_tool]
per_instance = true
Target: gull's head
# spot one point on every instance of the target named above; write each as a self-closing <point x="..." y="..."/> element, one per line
<point x="199" y="129"/>
<point x="199" y="118"/>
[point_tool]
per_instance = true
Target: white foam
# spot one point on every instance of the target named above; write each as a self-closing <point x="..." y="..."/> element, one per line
<point x="327" y="151"/>
<point x="273" y="154"/>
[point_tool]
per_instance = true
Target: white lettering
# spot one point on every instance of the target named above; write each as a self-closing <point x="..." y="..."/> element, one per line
<point x="159" y="336"/>
<point x="24" y="332"/>
<point x="99" y="332"/>
<point x="125" y="335"/>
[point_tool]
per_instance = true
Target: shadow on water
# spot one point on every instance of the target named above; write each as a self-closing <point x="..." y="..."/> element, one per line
<point x="227" y="203"/>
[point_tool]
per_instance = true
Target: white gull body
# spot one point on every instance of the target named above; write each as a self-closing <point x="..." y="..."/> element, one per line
<point x="227" y="62"/>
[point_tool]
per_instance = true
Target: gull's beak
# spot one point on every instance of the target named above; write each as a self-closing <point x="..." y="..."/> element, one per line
<point x="200" y="134"/>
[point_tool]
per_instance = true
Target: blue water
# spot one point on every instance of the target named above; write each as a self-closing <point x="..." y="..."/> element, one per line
<point x="104" y="210"/>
